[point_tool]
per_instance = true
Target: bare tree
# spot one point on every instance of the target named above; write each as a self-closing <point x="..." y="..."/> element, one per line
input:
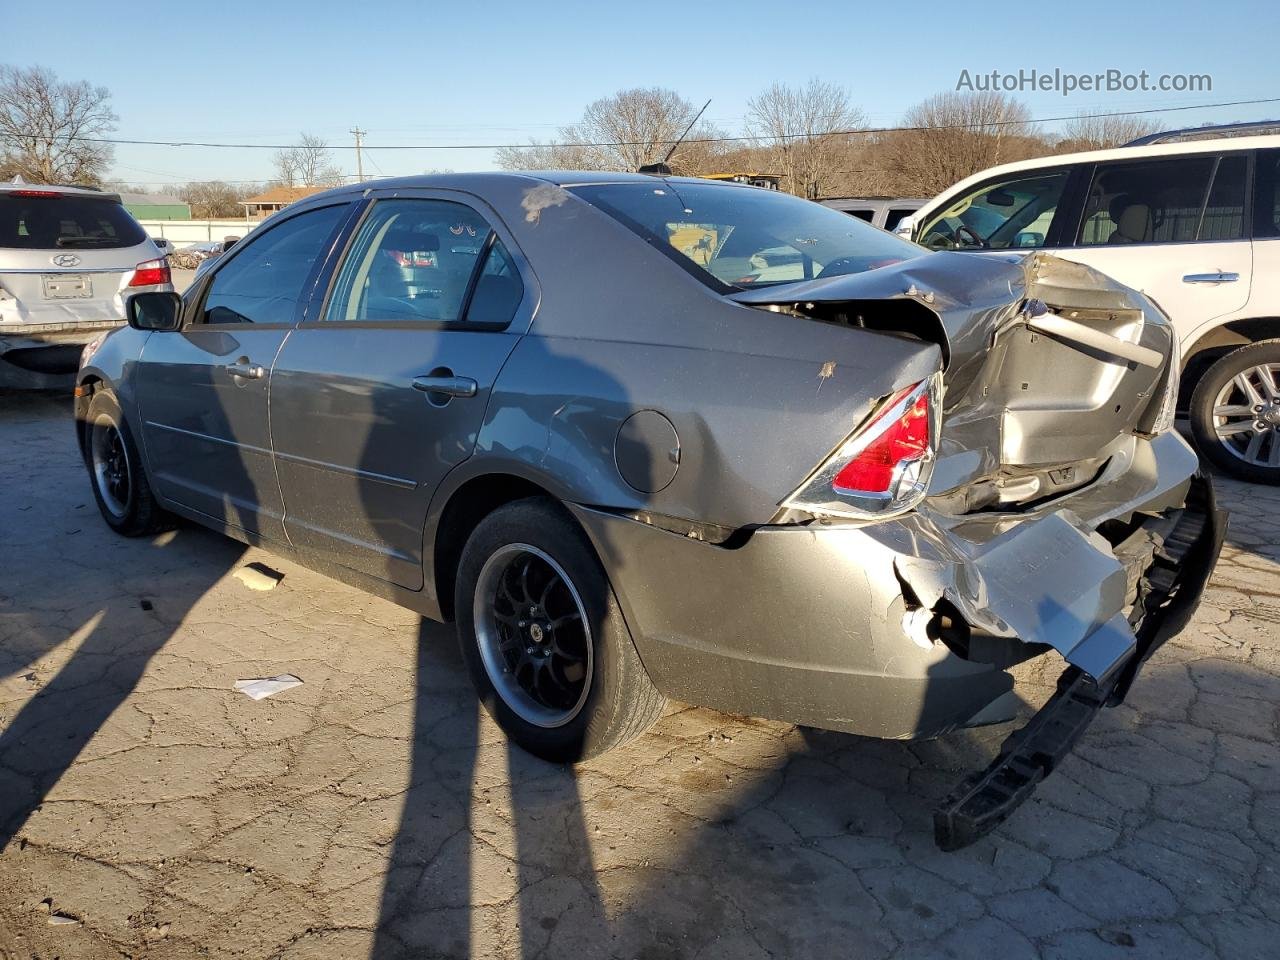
<point x="308" y="164"/>
<point x="542" y="156"/>
<point x="1092" y="131"/>
<point x="806" y="130"/>
<point x="43" y="125"/>
<point x="214" y="199"/>
<point x="955" y="134"/>
<point x="622" y="132"/>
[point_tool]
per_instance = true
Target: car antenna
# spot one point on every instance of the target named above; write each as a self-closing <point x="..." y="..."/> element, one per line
<point x="663" y="168"/>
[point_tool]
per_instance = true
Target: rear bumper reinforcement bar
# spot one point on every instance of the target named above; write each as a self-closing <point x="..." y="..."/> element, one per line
<point x="1171" y="592"/>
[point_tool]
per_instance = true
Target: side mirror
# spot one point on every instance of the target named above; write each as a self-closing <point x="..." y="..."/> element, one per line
<point x="154" y="311"/>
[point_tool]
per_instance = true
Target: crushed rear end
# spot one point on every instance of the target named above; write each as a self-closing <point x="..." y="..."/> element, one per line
<point x="1060" y="511"/>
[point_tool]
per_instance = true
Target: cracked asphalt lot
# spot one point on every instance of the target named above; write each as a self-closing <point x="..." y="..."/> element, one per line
<point x="148" y="810"/>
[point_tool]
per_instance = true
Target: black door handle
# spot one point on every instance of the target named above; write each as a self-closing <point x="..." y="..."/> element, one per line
<point x="447" y="386"/>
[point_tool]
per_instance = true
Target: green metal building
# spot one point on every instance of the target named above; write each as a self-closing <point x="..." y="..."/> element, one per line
<point x="155" y="206"/>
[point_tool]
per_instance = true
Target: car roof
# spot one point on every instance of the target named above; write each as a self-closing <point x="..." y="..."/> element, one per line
<point x="1140" y="152"/>
<point x="479" y="180"/>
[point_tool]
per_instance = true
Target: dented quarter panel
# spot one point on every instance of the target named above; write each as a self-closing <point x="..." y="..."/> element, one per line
<point x="825" y="648"/>
<point x="829" y="647"/>
<point x="751" y="425"/>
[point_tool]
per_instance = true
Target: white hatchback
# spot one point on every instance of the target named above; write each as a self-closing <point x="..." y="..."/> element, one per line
<point x="1192" y="219"/>
<point x="69" y="256"/>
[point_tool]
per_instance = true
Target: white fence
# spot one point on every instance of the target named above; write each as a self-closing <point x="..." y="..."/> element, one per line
<point x="183" y="232"/>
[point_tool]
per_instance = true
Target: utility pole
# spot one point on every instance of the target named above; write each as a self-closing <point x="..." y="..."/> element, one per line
<point x="359" y="135"/>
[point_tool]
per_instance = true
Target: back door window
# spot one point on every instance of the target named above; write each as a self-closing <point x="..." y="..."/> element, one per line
<point x="43" y="220"/>
<point x="1182" y="200"/>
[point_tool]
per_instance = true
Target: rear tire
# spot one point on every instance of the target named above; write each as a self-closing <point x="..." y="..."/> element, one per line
<point x="115" y="471"/>
<point x="1235" y="413"/>
<point x="543" y="637"/>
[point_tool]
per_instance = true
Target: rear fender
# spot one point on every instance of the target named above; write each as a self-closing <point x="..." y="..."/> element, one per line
<point x="716" y="435"/>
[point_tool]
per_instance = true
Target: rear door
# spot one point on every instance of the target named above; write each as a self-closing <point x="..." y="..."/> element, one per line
<point x="203" y="391"/>
<point x="1174" y="229"/>
<point x="380" y="393"/>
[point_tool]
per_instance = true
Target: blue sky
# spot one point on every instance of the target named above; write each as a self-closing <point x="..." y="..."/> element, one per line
<point x="498" y="72"/>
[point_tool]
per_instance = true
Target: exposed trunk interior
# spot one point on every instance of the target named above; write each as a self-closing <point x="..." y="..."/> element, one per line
<point x="1050" y="367"/>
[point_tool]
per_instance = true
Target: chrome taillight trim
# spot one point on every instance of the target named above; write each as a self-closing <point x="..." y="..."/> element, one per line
<point x="819" y="496"/>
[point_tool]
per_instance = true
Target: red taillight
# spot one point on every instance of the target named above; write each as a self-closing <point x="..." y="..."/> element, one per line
<point x="904" y="439"/>
<point x="34" y="193"/>
<point x="150" y="273"/>
<point x="883" y="468"/>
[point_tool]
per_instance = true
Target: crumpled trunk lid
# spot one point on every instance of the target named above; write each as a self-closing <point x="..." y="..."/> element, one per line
<point x="1051" y="367"/>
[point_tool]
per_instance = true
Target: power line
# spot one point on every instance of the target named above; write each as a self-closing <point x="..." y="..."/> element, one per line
<point x="626" y="143"/>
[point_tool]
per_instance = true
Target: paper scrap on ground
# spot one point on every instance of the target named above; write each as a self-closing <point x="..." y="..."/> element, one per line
<point x="261" y="687"/>
<point x="258" y="576"/>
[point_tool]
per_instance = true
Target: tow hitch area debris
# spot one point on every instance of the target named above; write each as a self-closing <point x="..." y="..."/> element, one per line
<point x="258" y="576"/>
<point x="261" y="687"/>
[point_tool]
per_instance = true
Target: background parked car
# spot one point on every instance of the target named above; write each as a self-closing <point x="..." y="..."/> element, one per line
<point x="68" y="258"/>
<point x="883" y="212"/>
<point x="1192" y="220"/>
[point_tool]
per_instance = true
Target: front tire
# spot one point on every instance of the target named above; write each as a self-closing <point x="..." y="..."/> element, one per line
<point x="1235" y="413"/>
<point x="543" y="638"/>
<point x="119" y="482"/>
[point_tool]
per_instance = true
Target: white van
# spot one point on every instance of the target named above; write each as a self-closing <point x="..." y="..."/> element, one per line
<point x="1192" y="219"/>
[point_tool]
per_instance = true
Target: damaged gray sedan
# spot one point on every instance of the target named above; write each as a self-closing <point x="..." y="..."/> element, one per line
<point x="655" y="437"/>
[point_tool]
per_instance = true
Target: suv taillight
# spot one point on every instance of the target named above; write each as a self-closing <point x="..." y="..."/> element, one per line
<point x="883" y="468"/>
<point x="149" y="273"/>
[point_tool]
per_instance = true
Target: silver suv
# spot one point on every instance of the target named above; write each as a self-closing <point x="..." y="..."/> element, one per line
<point x="68" y="258"/>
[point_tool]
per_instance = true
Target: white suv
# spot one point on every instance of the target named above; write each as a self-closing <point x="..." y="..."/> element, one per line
<point x="68" y="258"/>
<point x="1192" y="219"/>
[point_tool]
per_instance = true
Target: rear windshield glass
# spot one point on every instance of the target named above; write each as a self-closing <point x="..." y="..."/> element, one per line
<point x="747" y="237"/>
<point x="65" y="223"/>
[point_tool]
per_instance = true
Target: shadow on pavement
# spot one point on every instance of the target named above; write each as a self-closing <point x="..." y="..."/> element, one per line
<point x="451" y="869"/>
<point x="82" y="610"/>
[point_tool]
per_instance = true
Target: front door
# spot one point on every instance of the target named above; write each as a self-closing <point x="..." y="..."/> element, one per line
<point x="203" y="391"/>
<point x="380" y="394"/>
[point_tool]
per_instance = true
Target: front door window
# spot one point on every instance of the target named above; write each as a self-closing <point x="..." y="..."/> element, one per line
<point x="1008" y="213"/>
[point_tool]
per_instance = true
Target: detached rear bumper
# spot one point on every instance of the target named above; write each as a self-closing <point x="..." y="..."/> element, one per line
<point x="1168" y="594"/>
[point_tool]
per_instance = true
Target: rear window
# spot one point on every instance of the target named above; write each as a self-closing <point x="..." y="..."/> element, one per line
<point x="743" y="237"/>
<point x="65" y="223"/>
